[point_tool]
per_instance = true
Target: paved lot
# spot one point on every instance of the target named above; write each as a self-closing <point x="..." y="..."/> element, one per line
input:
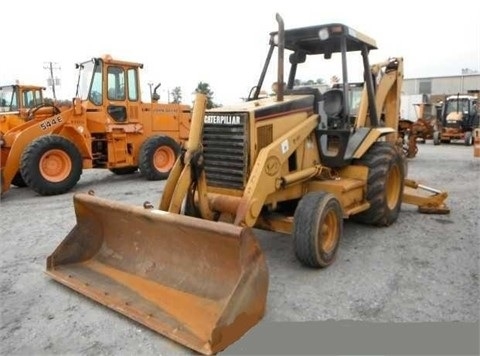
<point x="424" y="268"/>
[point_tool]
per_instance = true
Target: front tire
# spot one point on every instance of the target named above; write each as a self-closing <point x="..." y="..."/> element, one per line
<point x="468" y="138"/>
<point x="386" y="174"/>
<point x="51" y="165"/>
<point x="18" y="180"/>
<point x="317" y="229"/>
<point x="123" y="170"/>
<point x="157" y="157"/>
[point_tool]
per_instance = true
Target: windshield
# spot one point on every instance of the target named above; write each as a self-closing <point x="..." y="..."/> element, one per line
<point x="8" y="99"/>
<point x="455" y="105"/>
<point x="85" y="71"/>
<point x="32" y="97"/>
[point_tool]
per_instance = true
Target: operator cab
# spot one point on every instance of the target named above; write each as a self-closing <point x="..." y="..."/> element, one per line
<point x="17" y="98"/>
<point x="337" y="133"/>
<point x="104" y="81"/>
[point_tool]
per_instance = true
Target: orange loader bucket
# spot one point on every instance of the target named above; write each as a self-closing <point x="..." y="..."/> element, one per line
<point x="201" y="283"/>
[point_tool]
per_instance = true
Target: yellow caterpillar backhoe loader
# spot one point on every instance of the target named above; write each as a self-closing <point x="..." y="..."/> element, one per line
<point x="297" y="162"/>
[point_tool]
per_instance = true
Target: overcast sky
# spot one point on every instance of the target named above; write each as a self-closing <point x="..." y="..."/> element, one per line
<point x="223" y="43"/>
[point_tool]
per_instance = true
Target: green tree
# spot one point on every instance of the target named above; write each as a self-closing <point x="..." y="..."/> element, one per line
<point x="204" y="88"/>
<point x="176" y="95"/>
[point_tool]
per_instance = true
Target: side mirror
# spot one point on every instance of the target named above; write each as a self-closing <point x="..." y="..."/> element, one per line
<point x="298" y="57"/>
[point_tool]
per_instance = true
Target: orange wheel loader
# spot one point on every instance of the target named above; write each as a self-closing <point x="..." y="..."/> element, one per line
<point x="107" y="127"/>
<point x="296" y="162"/>
<point x="20" y="103"/>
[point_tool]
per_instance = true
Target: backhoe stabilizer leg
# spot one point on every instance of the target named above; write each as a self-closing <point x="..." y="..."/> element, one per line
<point x="432" y="203"/>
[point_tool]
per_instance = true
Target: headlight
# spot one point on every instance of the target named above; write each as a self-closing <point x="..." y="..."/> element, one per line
<point x="275" y="39"/>
<point x="323" y="34"/>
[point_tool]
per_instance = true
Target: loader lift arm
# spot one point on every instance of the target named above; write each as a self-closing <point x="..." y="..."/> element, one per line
<point x="187" y="174"/>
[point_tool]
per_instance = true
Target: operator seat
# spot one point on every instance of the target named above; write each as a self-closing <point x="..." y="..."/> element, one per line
<point x="333" y="107"/>
<point x="333" y="138"/>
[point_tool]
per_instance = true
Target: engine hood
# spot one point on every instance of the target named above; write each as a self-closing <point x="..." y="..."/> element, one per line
<point x="266" y="108"/>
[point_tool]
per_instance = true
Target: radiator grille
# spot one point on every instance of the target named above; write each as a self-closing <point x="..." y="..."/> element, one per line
<point x="225" y="149"/>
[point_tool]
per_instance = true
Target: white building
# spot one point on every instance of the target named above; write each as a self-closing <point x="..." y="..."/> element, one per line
<point x="434" y="89"/>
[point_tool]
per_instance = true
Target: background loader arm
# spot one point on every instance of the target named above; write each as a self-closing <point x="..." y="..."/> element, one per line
<point x="267" y="171"/>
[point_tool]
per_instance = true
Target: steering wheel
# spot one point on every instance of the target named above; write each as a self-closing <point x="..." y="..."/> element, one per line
<point x="31" y="112"/>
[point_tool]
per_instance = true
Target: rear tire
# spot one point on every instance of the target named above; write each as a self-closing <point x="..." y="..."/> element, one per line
<point x="123" y="170"/>
<point x="51" y="165"/>
<point x="157" y="157"/>
<point x="468" y="138"/>
<point x="317" y="229"/>
<point x="386" y="174"/>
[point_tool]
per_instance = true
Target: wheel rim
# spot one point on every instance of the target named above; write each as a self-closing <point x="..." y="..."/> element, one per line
<point x="393" y="186"/>
<point x="164" y="159"/>
<point x="328" y="233"/>
<point x="55" y="165"/>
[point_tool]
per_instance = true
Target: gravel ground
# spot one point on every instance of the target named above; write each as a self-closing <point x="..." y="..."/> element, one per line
<point x="424" y="268"/>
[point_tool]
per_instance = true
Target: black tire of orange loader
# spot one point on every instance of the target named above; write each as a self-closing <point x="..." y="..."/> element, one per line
<point x="386" y="173"/>
<point x="51" y="165"/>
<point x="317" y="229"/>
<point x="157" y="157"/>
<point x="123" y="170"/>
<point x="18" y="180"/>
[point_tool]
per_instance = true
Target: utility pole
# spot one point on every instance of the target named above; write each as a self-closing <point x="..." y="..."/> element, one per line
<point x="52" y="80"/>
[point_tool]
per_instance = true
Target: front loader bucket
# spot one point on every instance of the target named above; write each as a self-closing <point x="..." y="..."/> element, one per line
<point x="201" y="283"/>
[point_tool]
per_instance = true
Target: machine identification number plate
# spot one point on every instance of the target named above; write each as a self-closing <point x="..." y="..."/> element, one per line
<point x="50" y="122"/>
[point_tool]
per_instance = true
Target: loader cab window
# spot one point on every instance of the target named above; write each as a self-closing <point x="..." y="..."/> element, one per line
<point x="8" y="99"/>
<point x="31" y="98"/>
<point x="116" y="83"/>
<point x="96" y="92"/>
<point x="457" y="106"/>
<point x="132" y="84"/>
